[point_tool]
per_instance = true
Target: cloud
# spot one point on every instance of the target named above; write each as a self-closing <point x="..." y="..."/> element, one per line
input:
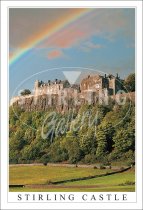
<point x="108" y="23"/>
<point x="93" y="46"/>
<point x="54" y="54"/>
<point x="89" y="46"/>
<point x="64" y="39"/>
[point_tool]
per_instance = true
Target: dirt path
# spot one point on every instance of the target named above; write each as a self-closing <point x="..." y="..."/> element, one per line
<point x="62" y="186"/>
<point x="66" y="165"/>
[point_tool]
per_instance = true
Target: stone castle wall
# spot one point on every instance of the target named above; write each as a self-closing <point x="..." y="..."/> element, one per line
<point x="61" y="96"/>
<point x="46" y="102"/>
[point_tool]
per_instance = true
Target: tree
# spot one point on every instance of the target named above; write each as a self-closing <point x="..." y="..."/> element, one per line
<point x="74" y="138"/>
<point x="109" y="132"/>
<point x="14" y="114"/>
<point x="71" y="144"/>
<point x="104" y="137"/>
<point x="124" y="141"/>
<point x="87" y="140"/>
<point x="25" y="92"/>
<point x="30" y="152"/>
<point x="56" y="153"/>
<point x="102" y="144"/>
<point x="129" y="83"/>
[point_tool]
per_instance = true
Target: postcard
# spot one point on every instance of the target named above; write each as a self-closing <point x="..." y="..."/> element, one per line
<point x="71" y="131"/>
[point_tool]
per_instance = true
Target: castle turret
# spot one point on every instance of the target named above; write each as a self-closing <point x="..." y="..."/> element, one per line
<point x="36" y="87"/>
<point x="115" y="84"/>
<point x="36" y="84"/>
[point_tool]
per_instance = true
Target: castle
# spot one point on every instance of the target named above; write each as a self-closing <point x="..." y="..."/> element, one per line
<point x="97" y="83"/>
<point x="62" y="95"/>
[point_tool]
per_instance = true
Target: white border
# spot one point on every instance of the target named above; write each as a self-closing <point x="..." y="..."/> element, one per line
<point x="4" y="106"/>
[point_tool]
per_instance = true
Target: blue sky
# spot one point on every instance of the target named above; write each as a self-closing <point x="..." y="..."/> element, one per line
<point x="102" y="40"/>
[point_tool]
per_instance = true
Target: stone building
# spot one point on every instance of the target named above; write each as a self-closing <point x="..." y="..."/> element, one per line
<point x="62" y="95"/>
<point x="41" y="88"/>
<point x="97" y="83"/>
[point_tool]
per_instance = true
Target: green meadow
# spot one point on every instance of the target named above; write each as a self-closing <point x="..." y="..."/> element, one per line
<point x="44" y="175"/>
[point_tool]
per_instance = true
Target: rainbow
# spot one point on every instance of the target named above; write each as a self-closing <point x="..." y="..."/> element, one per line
<point x="47" y="33"/>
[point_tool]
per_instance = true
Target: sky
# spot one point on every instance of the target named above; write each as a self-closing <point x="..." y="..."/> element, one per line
<point x="76" y="39"/>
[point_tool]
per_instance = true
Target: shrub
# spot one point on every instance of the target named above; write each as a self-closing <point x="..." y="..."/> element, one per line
<point x="90" y="158"/>
<point x="106" y="163"/>
<point x="25" y="92"/>
<point x="130" y="163"/>
<point x="102" y="167"/>
<point x="127" y="183"/>
<point x="45" y="159"/>
<point x="45" y="163"/>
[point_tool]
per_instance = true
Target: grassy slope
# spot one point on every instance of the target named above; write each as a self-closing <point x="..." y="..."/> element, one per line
<point x="115" y="179"/>
<point x="43" y="174"/>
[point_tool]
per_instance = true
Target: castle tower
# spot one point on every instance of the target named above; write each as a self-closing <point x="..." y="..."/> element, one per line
<point x="36" y="84"/>
<point x="115" y="83"/>
<point x="36" y="87"/>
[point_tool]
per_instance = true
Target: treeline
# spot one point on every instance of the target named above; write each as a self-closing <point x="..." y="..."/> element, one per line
<point x="94" y="133"/>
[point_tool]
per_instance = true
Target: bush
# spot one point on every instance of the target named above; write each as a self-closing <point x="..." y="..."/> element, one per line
<point x="90" y="158"/>
<point x="130" y="163"/>
<point x="25" y="92"/>
<point x="45" y="163"/>
<point x="102" y="167"/>
<point x="106" y="163"/>
<point x="127" y="183"/>
<point x="45" y="159"/>
<point x="130" y="158"/>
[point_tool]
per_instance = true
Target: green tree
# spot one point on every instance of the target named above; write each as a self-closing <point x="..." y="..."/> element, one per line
<point x="25" y="92"/>
<point x="129" y="83"/>
<point x="57" y="153"/>
<point x="109" y="133"/>
<point x="105" y="133"/>
<point x="30" y="152"/>
<point x="87" y="140"/>
<point x="74" y="138"/>
<point x="101" y="144"/>
<point x="71" y="144"/>
<point x="124" y="140"/>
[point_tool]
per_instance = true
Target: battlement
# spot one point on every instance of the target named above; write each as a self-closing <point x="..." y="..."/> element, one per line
<point x="98" y="82"/>
<point x="50" y="87"/>
<point x="51" y="92"/>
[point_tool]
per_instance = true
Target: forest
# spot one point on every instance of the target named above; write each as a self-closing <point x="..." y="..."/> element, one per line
<point x="92" y="134"/>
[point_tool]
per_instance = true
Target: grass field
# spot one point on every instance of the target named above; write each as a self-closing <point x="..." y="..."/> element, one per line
<point x="122" y="182"/>
<point x="44" y="174"/>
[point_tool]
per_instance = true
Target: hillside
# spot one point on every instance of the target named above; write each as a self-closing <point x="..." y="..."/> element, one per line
<point x="94" y="133"/>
